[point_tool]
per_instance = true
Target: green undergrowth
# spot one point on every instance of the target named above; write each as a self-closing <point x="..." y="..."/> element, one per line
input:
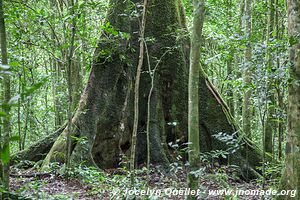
<point x="82" y="182"/>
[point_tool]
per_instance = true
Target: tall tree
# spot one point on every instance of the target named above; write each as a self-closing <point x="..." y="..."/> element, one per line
<point x="230" y="61"/>
<point x="193" y="95"/>
<point x="137" y="94"/>
<point x="70" y="79"/>
<point x="278" y="83"/>
<point x="247" y="73"/>
<point x="291" y="174"/>
<point x="73" y="60"/>
<point x="5" y="148"/>
<point x="56" y="68"/>
<point x="270" y="121"/>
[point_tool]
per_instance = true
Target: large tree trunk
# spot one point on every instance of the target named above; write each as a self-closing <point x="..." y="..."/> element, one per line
<point x="291" y="173"/>
<point x="104" y="119"/>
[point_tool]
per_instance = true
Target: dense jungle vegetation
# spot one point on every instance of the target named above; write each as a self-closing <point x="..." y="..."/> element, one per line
<point x="150" y="99"/>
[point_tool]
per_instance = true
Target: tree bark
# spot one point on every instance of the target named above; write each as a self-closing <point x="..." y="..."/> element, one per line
<point x="5" y="139"/>
<point x="271" y="121"/>
<point x="193" y="95"/>
<point x="70" y="67"/>
<point x="56" y="68"/>
<point x="247" y="74"/>
<point x="291" y="174"/>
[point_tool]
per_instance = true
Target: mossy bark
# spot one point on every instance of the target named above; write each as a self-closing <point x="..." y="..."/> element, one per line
<point x="39" y="149"/>
<point x="104" y="119"/>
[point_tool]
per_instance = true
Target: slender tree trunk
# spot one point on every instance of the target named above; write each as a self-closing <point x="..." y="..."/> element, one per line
<point x="46" y="122"/>
<point x="152" y="76"/>
<point x="56" y="80"/>
<point x="230" y="94"/>
<point x="247" y="74"/>
<point x="56" y="94"/>
<point x="70" y="64"/>
<point x="83" y="42"/>
<point x="6" y="107"/>
<point x="230" y="63"/>
<point x="75" y="73"/>
<point x="291" y="174"/>
<point x="27" y="119"/>
<point x="270" y="122"/>
<point x="76" y="82"/>
<point x="278" y="87"/>
<point x="193" y="95"/>
<point x="19" y="111"/>
<point x="280" y="125"/>
<point x="238" y="103"/>
<point x="242" y="12"/>
<point x="136" y="91"/>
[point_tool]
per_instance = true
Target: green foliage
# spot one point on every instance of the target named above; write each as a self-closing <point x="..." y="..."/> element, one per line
<point x="273" y="172"/>
<point x="232" y="141"/>
<point x="31" y="89"/>
<point x="38" y="43"/>
<point x="88" y="175"/>
<point x="109" y="29"/>
<point x="180" y="150"/>
<point x="211" y="156"/>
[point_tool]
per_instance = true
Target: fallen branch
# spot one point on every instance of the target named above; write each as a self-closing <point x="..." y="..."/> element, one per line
<point x="35" y="175"/>
<point x="39" y="149"/>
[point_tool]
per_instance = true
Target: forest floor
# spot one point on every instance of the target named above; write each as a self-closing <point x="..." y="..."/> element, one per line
<point x="86" y="183"/>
